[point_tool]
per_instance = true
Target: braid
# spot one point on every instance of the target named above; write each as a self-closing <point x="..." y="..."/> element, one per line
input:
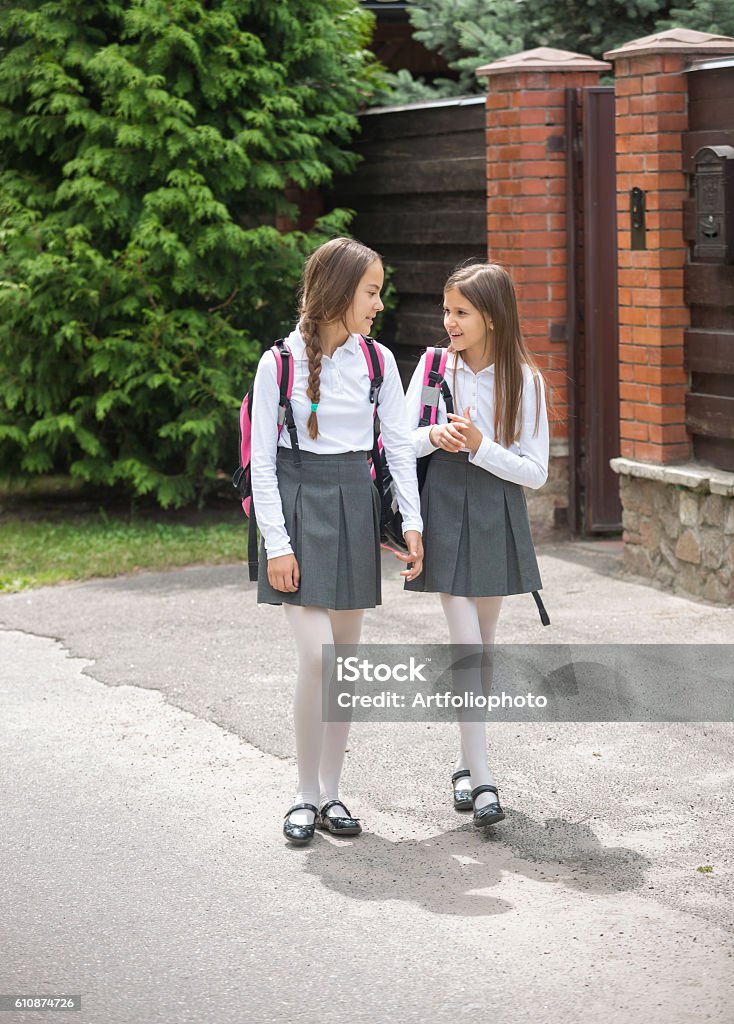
<point x="313" y="349"/>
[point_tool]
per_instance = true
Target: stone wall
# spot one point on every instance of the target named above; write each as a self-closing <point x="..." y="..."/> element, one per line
<point x="681" y="535"/>
<point x="548" y="506"/>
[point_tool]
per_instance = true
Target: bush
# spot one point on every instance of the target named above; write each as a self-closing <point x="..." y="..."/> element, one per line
<point x="145" y="152"/>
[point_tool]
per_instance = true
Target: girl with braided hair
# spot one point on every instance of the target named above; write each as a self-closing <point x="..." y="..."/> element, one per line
<point x="317" y="507"/>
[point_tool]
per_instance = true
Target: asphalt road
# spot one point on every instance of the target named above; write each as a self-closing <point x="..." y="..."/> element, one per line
<point x="146" y="762"/>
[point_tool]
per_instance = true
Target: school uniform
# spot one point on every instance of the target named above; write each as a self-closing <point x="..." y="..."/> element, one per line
<point x="320" y="503"/>
<point x="476" y="538"/>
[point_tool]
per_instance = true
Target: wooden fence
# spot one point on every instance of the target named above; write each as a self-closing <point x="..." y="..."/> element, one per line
<point x="709" y="286"/>
<point x="420" y="198"/>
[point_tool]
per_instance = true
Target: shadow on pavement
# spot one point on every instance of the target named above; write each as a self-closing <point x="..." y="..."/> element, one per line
<point x="451" y="873"/>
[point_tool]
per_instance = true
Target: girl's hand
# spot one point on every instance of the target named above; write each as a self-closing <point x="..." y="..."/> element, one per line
<point x="415" y="555"/>
<point x="473" y="436"/>
<point x="448" y="436"/>
<point x="284" y="574"/>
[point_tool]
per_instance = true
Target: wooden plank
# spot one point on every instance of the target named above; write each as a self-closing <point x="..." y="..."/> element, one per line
<point x="693" y="141"/>
<point x="711" y="415"/>
<point x="711" y="99"/>
<point x="421" y="278"/>
<point x="709" y="351"/>
<point x="712" y="384"/>
<point x="408" y="176"/>
<point x="422" y="147"/>
<point x="425" y="228"/>
<point x="709" y="284"/>
<point x="717" y="451"/>
<point x="420" y="330"/>
<point x="395" y="124"/>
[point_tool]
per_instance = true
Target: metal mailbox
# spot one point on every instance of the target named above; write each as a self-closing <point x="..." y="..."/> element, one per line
<point x="714" y="199"/>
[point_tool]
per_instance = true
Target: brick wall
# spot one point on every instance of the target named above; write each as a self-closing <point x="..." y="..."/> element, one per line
<point x="651" y="98"/>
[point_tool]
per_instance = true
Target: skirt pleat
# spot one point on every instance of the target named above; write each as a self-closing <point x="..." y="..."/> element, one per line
<point x="477" y="538"/>
<point x="332" y="515"/>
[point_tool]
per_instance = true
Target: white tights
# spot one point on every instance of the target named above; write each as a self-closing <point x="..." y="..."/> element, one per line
<point x="473" y="620"/>
<point x="320" y="746"/>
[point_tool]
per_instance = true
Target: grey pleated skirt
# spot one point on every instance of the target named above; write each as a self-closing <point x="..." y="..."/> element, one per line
<point x="332" y="515"/>
<point x="476" y="532"/>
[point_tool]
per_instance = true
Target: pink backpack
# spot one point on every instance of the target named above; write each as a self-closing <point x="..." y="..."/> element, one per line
<point x="242" y="480"/>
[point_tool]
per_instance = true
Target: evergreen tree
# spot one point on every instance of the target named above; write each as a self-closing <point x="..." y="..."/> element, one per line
<point x="469" y="33"/>
<point x="704" y="16"/>
<point x="145" y="150"/>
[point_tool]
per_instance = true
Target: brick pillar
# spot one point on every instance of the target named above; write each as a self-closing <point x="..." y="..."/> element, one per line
<point x="651" y="92"/>
<point x="526" y="215"/>
<point x="678" y="515"/>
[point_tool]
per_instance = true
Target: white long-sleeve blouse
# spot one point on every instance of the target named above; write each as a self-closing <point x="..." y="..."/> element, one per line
<point x="345" y="417"/>
<point x="525" y="462"/>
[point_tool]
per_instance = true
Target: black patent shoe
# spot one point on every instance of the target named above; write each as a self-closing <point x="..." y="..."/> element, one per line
<point x="462" y="800"/>
<point x="343" y="825"/>
<point x="299" y="834"/>
<point x="489" y="814"/>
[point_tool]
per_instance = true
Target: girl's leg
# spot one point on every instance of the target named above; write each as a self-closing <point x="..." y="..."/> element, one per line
<point x="470" y="621"/>
<point x="311" y="628"/>
<point x="488" y="609"/>
<point x="346" y="627"/>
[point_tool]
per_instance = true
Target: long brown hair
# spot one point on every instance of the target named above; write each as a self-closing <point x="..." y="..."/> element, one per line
<point x="330" y="279"/>
<point x="489" y="288"/>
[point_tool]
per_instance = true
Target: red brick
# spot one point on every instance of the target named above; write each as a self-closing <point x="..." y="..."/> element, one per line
<point x="667" y="317"/>
<point x="545" y="98"/>
<point x="633" y="316"/>
<point x="633" y="431"/>
<point x="664" y="83"/>
<point x="668" y="434"/>
<point x="632" y="354"/>
<point x="549" y="274"/>
<point x="530" y="115"/>
<point x="631" y="86"/>
<point x="632" y="277"/>
<point x="671" y="122"/>
<point x="662" y="375"/>
<point x="663" y="162"/>
<point x="633" y="392"/>
<point x="662" y="414"/>
<point x="667" y="355"/>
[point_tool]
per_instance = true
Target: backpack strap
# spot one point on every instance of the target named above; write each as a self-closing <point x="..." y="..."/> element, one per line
<point x="544" y="617"/>
<point x="284" y="373"/>
<point x="434" y="386"/>
<point x="375" y="368"/>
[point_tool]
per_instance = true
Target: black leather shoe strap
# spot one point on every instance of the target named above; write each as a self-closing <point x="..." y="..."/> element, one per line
<point x="302" y="807"/>
<point x="463" y="774"/>
<point x="483" y="789"/>
<point x="335" y="803"/>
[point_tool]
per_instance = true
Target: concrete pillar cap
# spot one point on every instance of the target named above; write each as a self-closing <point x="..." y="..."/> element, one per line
<point x="674" y="40"/>
<point x="542" y="58"/>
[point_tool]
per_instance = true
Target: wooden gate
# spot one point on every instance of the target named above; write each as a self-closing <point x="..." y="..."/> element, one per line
<point x="592" y="330"/>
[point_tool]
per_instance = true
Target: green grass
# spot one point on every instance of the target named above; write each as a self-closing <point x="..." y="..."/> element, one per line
<point x="33" y="553"/>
